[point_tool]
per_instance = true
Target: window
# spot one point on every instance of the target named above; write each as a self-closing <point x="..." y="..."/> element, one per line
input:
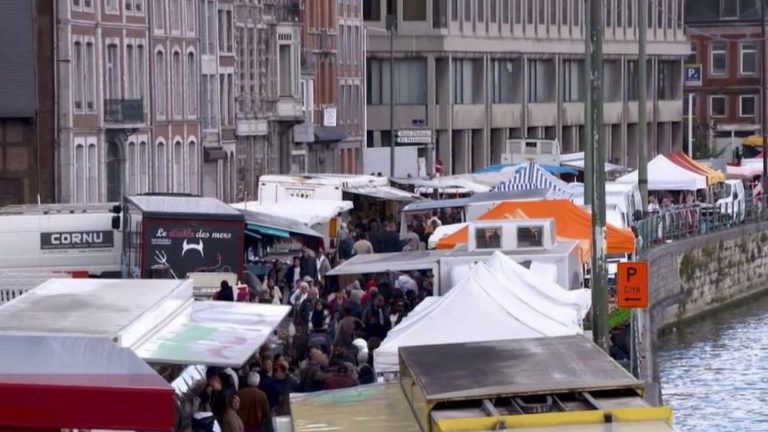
<point x="630" y="14"/>
<point x="609" y="13"/>
<point x="209" y="104"/>
<point x="88" y="4"/>
<point x="717" y="106"/>
<point x="467" y="10"/>
<point x="542" y="12"/>
<point x="192" y="165"/>
<point x="573" y="81"/>
<point x="480" y="11"/>
<point x="411" y="91"/>
<point x="208" y="27"/>
<point x="189" y="10"/>
<point x="113" y="73"/>
<point x="286" y="70"/>
<point x="174" y="12"/>
<point x="577" y="13"/>
<point x="76" y="5"/>
<point x="488" y="238"/>
<point x="93" y="173"/>
<point x="518" y="11"/>
<point x="670" y="14"/>
<point x="159" y="12"/>
<point x="506" y="88"/>
<point x="141" y="72"/>
<point x="372" y="10"/>
<point x="729" y="9"/>
<point x="747" y="106"/>
<point x="693" y="57"/>
<point x="229" y="31"/>
<point x="667" y="81"/>
<point x="564" y="14"/>
<point x="505" y="11"/>
<point x="191" y="85"/>
<point x="128" y="5"/>
<point x="415" y="10"/>
<point x="455" y="10"/>
<point x="650" y="14"/>
<point x="619" y="13"/>
<point x="138" y="7"/>
<point x="78" y="76"/>
<point x="131" y="167"/>
<point x="160" y="166"/>
<point x="552" y="12"/>
<point x="80" y="167"/>
<point x="467" y="75"/>
<point x="529" y="237"/>
<point x="178" y="167"/>
<point x="143" y="168"/>
<point x="748" y="58"/>
<point x="130" y="68"/>
<point x="111" y="5"/>
<point x="493" y="10"/>
<point x="176" y="83"/>
<point x="540" y="77"/>
<point x="231" y="99"/>
<point x="719" y="56"/>
<point x="160" y="84"/>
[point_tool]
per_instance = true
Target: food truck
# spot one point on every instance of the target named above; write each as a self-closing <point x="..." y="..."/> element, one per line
<point x="175" y="235"/>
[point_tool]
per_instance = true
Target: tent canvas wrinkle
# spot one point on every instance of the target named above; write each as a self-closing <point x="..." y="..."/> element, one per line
<point x="534" y="176"/>
<point x="663" y="174"/>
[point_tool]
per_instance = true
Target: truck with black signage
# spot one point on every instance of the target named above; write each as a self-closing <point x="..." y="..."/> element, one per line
<point x="174" y="235"/>
<point x="77" y="239"/>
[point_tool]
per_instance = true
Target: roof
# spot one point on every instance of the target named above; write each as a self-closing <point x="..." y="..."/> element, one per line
<point x="93" y="307"/>
<point x="370" y="408"/>
<point x="515" y="195"/>
<point x="278" y="222"/>
<point x="522" y="366"/>
<point x="387" y="193"/>
<point x="552" y="169"/>
<point x="184" y="207"/>
<point x="290" y="210"/>
<point x="62" y="208"/>
<point x="78" y="382"/>
<point x="707" y="12"/>
<point x="664" y="175"/>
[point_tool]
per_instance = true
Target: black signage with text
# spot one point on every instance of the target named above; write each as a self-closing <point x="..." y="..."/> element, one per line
<point x="76" y="240"/>
<point x="191" y="248"/>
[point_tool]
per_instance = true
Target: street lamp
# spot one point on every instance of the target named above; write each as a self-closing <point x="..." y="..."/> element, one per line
<point x="392" y="28"/>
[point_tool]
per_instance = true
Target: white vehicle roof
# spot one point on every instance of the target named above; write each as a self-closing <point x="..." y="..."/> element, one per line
<point x="341" y="180"/>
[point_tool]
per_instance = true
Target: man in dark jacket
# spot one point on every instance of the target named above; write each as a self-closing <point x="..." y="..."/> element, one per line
<point x="225" y="293"/>
<point x="294" y="274"/>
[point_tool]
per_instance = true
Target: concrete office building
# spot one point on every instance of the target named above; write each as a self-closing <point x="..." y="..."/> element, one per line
<point x="479" y="72"/>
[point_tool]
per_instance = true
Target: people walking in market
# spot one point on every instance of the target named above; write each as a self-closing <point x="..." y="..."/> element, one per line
<point x="314" y="374"/>
<point x="225" y="292"/>
<point x="254" y="405"/>
<point x="322" y="264"/>
<point x="362" y="246"/>
<point x="309" y="263"/>
<point x="294" y="274"/>
<point x="225" y="408"/>
<point x="376" y="319"/>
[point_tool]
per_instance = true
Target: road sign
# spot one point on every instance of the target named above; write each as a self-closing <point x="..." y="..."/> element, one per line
<point x="693" y="75"/>
<point x="632" y="285"/>
<point x="414" y="136"/>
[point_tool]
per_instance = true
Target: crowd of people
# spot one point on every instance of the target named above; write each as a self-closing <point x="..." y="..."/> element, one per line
<point x="327" y="341"/>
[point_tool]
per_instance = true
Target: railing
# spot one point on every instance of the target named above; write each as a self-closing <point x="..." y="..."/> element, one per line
<point x="123" y="111"/>
<point x="8" y="294"/>
<point x="681" y="222"/>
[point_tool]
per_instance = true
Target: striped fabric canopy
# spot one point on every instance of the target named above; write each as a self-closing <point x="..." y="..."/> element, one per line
<point x="533" y="176"/>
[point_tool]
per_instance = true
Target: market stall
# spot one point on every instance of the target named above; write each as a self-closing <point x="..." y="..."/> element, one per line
<point x="62" y="382"/>
<point x="666" y="175"/>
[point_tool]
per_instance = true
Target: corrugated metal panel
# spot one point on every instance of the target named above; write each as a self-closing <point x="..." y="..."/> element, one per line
<point x="17" y="59"/>
<point x="370" y="408"/>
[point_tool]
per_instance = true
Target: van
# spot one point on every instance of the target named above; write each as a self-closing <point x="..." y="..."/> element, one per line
<point x="624" y="197"/>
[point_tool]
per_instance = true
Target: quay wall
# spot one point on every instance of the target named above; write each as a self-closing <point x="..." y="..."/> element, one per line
<point x="701" y="274"/>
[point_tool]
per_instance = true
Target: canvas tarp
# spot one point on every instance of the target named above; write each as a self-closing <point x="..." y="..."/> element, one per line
<point x="571" y="223"/>
<point x="480" y="308"/>
<point x="308" y="212"/>
<point x="663" y="175"/>
<point x="713" y="176"/>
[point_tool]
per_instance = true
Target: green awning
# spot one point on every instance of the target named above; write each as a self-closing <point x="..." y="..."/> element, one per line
<point x="269" y="230"/>
<point x="252" y="234"/>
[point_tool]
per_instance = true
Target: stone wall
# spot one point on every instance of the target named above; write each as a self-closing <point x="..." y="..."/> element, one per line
<point x="698" y="275"/>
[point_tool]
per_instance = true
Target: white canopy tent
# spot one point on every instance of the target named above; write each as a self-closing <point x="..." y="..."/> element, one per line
<point x="307" y="212"/>
<point x="480" y="308"/>
<point x="535" y="285"/>
<point x="663" y="174"/>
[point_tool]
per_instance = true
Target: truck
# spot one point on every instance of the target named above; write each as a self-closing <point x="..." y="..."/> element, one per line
<point x="171" y="236"/>
<point x="76" y="239"/>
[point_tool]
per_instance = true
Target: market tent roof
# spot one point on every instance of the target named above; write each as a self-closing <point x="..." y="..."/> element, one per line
<point x="528" y="194"/>
<point x="744" y="171"/>
<point x="753" y="141"/>
<point x="479" y="308"/>
<point x="158" y="319"/>
<point x="369" y="408"/>
<point x="534" y="176"/>
<point x="306" y="212"/>
<point x="443" y="183"/>
<point x="387" y="193"/>
<point x="577" y="161"/>
<point x="571" y="222"/>
<point x="663" y="174"/>
<point x="443" y="231"/>
<point x="213" y="333"/>
<point x="713" y="176"/>
<point x="552" y="169"/>
<point x="262" y="222"/>
<point x="55" y="382"/>
<point x="384" y="262"/>
<point x="536" y="285"/>
<point x="174" y="206"/>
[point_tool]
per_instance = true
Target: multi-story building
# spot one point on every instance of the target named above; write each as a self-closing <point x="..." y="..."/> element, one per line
<point x="27" y="119"/>
<point x="174" y="160"/>
<point x="332" y="82"/>
<point x="725" y="42"/>
<point x="480" y="72"/>
<point x="268" y="105"/>
<point x="128" y="100"/>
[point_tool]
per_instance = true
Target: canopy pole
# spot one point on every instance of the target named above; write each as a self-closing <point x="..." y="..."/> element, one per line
<point x="642" y="136"/>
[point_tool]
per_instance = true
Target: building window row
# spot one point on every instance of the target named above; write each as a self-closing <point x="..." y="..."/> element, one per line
<point x="84" y="72"/>
<point x="85" y="164"/>
<point x="747" y="105"/>
<point x="412" y="90"/>
<point x="718" y="61"/>
<point x="183" y="84"/>
<point x="350" y="44"/>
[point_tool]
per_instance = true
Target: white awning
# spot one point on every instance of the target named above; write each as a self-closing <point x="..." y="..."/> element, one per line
<point x="212" y="333"/>
<point x="385" y="262"/>
<point x="387" y="193"/>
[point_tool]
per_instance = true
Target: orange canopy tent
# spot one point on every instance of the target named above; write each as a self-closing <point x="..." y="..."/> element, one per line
<point x="571" y="222"/>
<point x="682" y="159"/>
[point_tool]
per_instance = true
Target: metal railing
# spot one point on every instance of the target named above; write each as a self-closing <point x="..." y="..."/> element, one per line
<point x="680" y="222"/>
<point x="123" y="111"/>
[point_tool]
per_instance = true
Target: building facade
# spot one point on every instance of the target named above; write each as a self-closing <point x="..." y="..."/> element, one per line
<point x="481" y="72"/>
<point x="128" y="100"/>
<point x="725" y="43"/>
<point x="332" y="80"/>
<point x="27" y="119"/>
<point x="266" y="95"/>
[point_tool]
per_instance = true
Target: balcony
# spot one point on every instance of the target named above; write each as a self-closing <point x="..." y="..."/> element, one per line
<point x="123" y="111"/>
<point x="289" y="109"/>
<point x="288" y="10"/>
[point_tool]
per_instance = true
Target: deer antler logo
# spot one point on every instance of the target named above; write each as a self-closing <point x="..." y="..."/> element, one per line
<point x="192" y="246"/>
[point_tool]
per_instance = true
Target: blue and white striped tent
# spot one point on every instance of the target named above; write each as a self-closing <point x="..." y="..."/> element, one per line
<point x="534" y="176"/>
